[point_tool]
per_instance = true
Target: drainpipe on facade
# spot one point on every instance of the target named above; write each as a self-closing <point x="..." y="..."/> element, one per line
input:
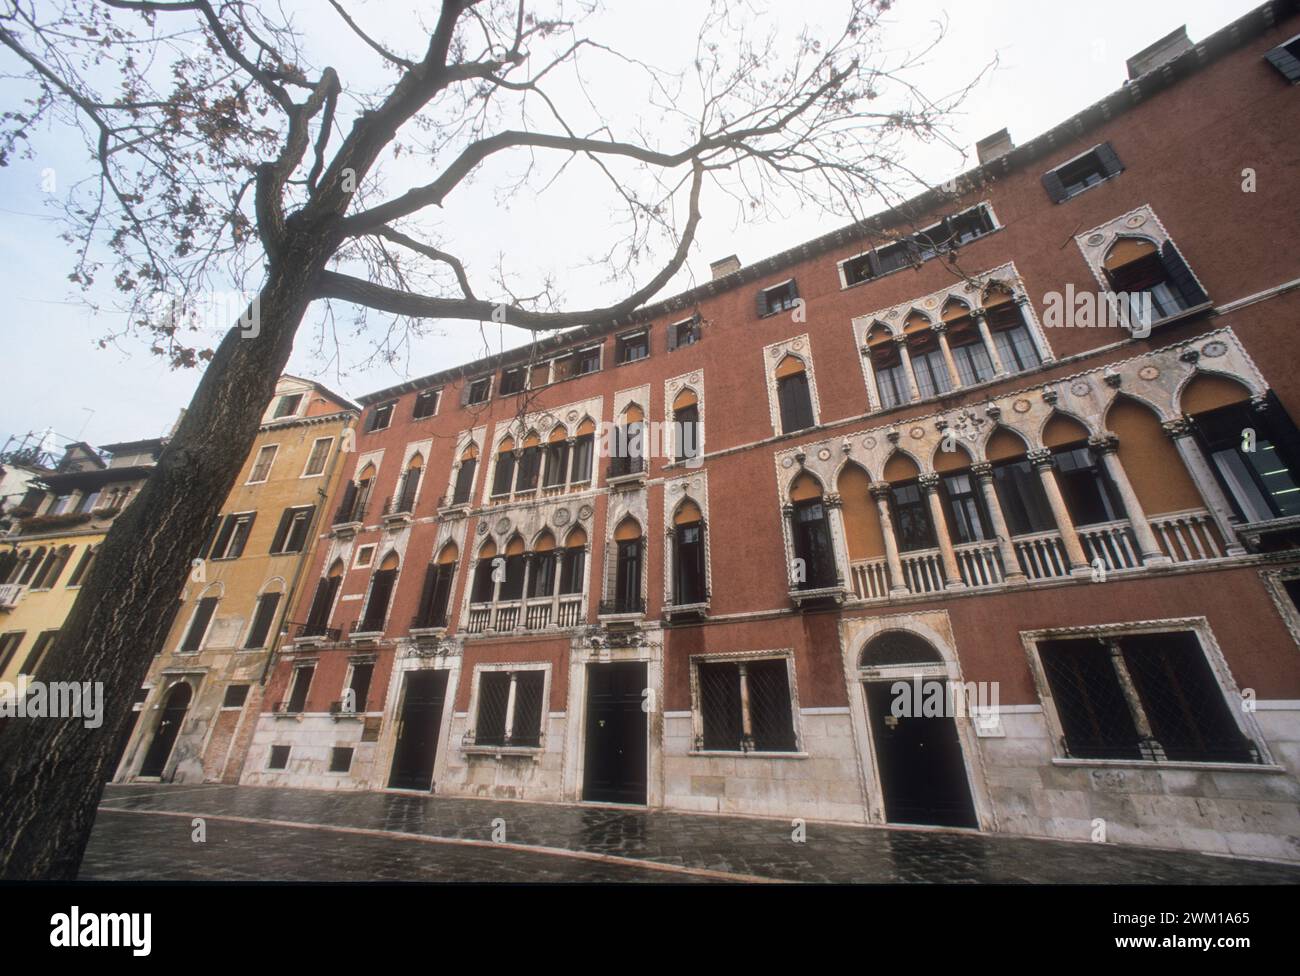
<point x="302" y="563"/>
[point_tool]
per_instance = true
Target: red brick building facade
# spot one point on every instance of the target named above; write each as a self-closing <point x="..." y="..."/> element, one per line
<point x="918" y="469"/>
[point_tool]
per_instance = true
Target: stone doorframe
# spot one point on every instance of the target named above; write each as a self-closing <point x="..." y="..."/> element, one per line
<point x="442" y="654"/>
<point x="935" y="628"/>
<point x="598" y="645"/>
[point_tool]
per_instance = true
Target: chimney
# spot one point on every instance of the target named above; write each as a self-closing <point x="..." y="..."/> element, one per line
<point x="724" y="267"/>
<point x="1166" y="49"/>
<point x="991" y="147"/>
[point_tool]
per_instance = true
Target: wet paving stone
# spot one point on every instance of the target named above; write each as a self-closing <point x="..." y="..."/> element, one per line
<point x="134" y="846"/>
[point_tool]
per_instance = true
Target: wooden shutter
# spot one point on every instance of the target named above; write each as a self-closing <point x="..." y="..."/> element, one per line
<point x="1110" y="163"/>
<point x="252" y="518"/>
<point x="298" y="528"/>
<point x="1285" y="62"/>
<point x="1053" y="185"/>
<point x="199" y="623"/>
<point x="1181" y="276"/>
<point x="262" y="620"/>
<point x="223" y="538"/>
<point x="762" y="304"/>
<point x="282" y="531"/>
<point x="424" y="613"/>
<point x="464" y="392"/>
<point x="672" y="336"/>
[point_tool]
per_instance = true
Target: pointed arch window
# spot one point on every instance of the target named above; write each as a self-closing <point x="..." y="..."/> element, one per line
<point x="541" y="579"/>
<point x="811" y="532"/>
<point x="504" y="476"/>
<point x="584" y="450"/>
<point x="556" y="459"/>
<point x="465" y="475"/>
<point x="530" y="463"/>
<point x="794" y="395"/>
<point x="381" y="592"/>
<point x="1135" y="268"/>
<point x="435" y="596"/>
<point x="686" y="430"/>
<point x="322" y="603"/>
<point x="410" y="484"/>
<point x="1011" y="336"/>
<point x="575" y="558"/>
<point x="629" y="557"/>
<point x="484" y="587"/>
<point x="689" y="576"/>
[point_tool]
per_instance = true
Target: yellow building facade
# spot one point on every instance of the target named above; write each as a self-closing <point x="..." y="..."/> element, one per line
<point x="199" y="704"/>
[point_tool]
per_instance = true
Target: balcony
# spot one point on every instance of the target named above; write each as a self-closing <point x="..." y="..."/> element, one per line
<point x="11" y="595"/>
<point x="311" y="633"/>
<point x="533" y="615"/>
<point x="1187" y="536"/>
<point x="618" y="612"/>
<point x="1112" y="543"/>
<point x="696" y="608"/>
<point x="625" y="471"/>
<point x="431" y="625"/>
<point x="397" y="511"/>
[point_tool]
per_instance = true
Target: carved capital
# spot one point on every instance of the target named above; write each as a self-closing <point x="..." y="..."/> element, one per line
<point x="1190" y="356"/>
<point x="1050" y="396"/>
<point x="832" y="499"/>
<point x="1040" y="457"/>
<point x="939" y="328"/>
<point x="1106" y="443"/>
<point x="1178" y="427"/>
<point x="1112" y="379"/>
<point x="899" y="340"/>
<point x="982" y="470"/>
<point x="928" y="482"/>
<point x="977" y="315"/>
<point x="879" y="489"/>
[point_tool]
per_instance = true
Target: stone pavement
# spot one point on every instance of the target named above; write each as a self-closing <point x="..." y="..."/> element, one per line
<point x="260" y="833"/>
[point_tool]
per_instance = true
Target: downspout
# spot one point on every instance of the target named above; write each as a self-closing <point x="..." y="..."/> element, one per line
<point x="302" y="563"/>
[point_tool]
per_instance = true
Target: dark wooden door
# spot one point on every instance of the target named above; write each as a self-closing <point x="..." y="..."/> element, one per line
<point x="922" y="773"/>
<point x="169" y="725"/>
<point x="615" y="767"/>
<point x="419" y="721"/>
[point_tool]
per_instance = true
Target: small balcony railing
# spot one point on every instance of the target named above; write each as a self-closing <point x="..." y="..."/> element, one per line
<point x="621" y="606"/>
<point x="1112" y="543"/>
<point x="11" y="594"/>
<point x="537" y="613"/>
<point x="980" y="563"/>
<point x="1042" y="555"/>
<point x="1187" y="536"/>
<point x="923" y="570"/>
<point x="319" y="631"/>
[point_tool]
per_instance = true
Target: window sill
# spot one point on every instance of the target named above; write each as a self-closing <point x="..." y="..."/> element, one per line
<point x="501" y="752"/>
<point x="366" y="636"/>
<point x="1173" y="764"/>
<point x="626" y="617"/>
<point x="398" y="518"/>
<point x="341" y="529"/>
<point x="619" y="480"/>
<point x="837" y="593"/>
<point x="1253" y="532"/>
<point x="753" y="754"/>
<point x="455" y="508"/>
<point x="1081" y="192"/>
<point x="687" y="611"/>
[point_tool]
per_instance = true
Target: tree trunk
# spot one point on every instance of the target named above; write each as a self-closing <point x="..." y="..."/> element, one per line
<point x="53" y="770"/>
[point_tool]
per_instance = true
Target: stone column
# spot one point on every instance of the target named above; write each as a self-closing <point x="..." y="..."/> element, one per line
<point x="1180" y="431"/>
<point x="930" y="485"/>
<point x="510" y="709"/>
<point x="839" y="539"/>
<point x="954" y="377"/>
<point x="897" y="582"/>
<point x="874" y="399"/>
<point x="913" y="391"/>
<point x="746" y="723"/>
<point x="1041" y="459"/>
<point x="983" y="472"/>
<point x="1106" y="446"/>
<point x="990" y="347"/>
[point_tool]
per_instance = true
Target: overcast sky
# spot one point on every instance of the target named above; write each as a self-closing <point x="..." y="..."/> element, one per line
<point x="1053" y="61"/>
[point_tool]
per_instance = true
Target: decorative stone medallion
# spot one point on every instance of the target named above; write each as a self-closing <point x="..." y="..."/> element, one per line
<point x="1148" y="373"/>
<point x="1080" y="388"/>
<point x="1021" y="406"/>
<point x="1214" y="349"/>
<point x="917" y="432"/>
<point x="561" y="517"/>
<point x="1136" y="220"/>
<point x="585" y="512"/>
<point x="868" y="442"/>
<point x="824" y="454"/>
<point x="1096" y="239"/>
<point x="503" y="525"/>
<point x="787" y="462"/>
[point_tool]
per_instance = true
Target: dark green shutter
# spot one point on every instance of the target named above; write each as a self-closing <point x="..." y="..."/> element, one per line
<point x="1053" y="185"/>
<point x="1110" y="163"/>
<point x="1181" y="276"/>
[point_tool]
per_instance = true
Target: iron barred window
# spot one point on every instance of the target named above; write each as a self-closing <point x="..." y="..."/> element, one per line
<point x="506" y="720"/>
<point x="1142" y="696"/>
<point x="745" y="706"/>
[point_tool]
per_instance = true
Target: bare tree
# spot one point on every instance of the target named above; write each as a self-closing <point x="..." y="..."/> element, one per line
<point x="222" y="159"/>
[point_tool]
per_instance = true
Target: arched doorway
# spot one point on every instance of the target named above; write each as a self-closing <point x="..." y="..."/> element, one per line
<point x="918" y="754"/>
<point x="175" y="706"/>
